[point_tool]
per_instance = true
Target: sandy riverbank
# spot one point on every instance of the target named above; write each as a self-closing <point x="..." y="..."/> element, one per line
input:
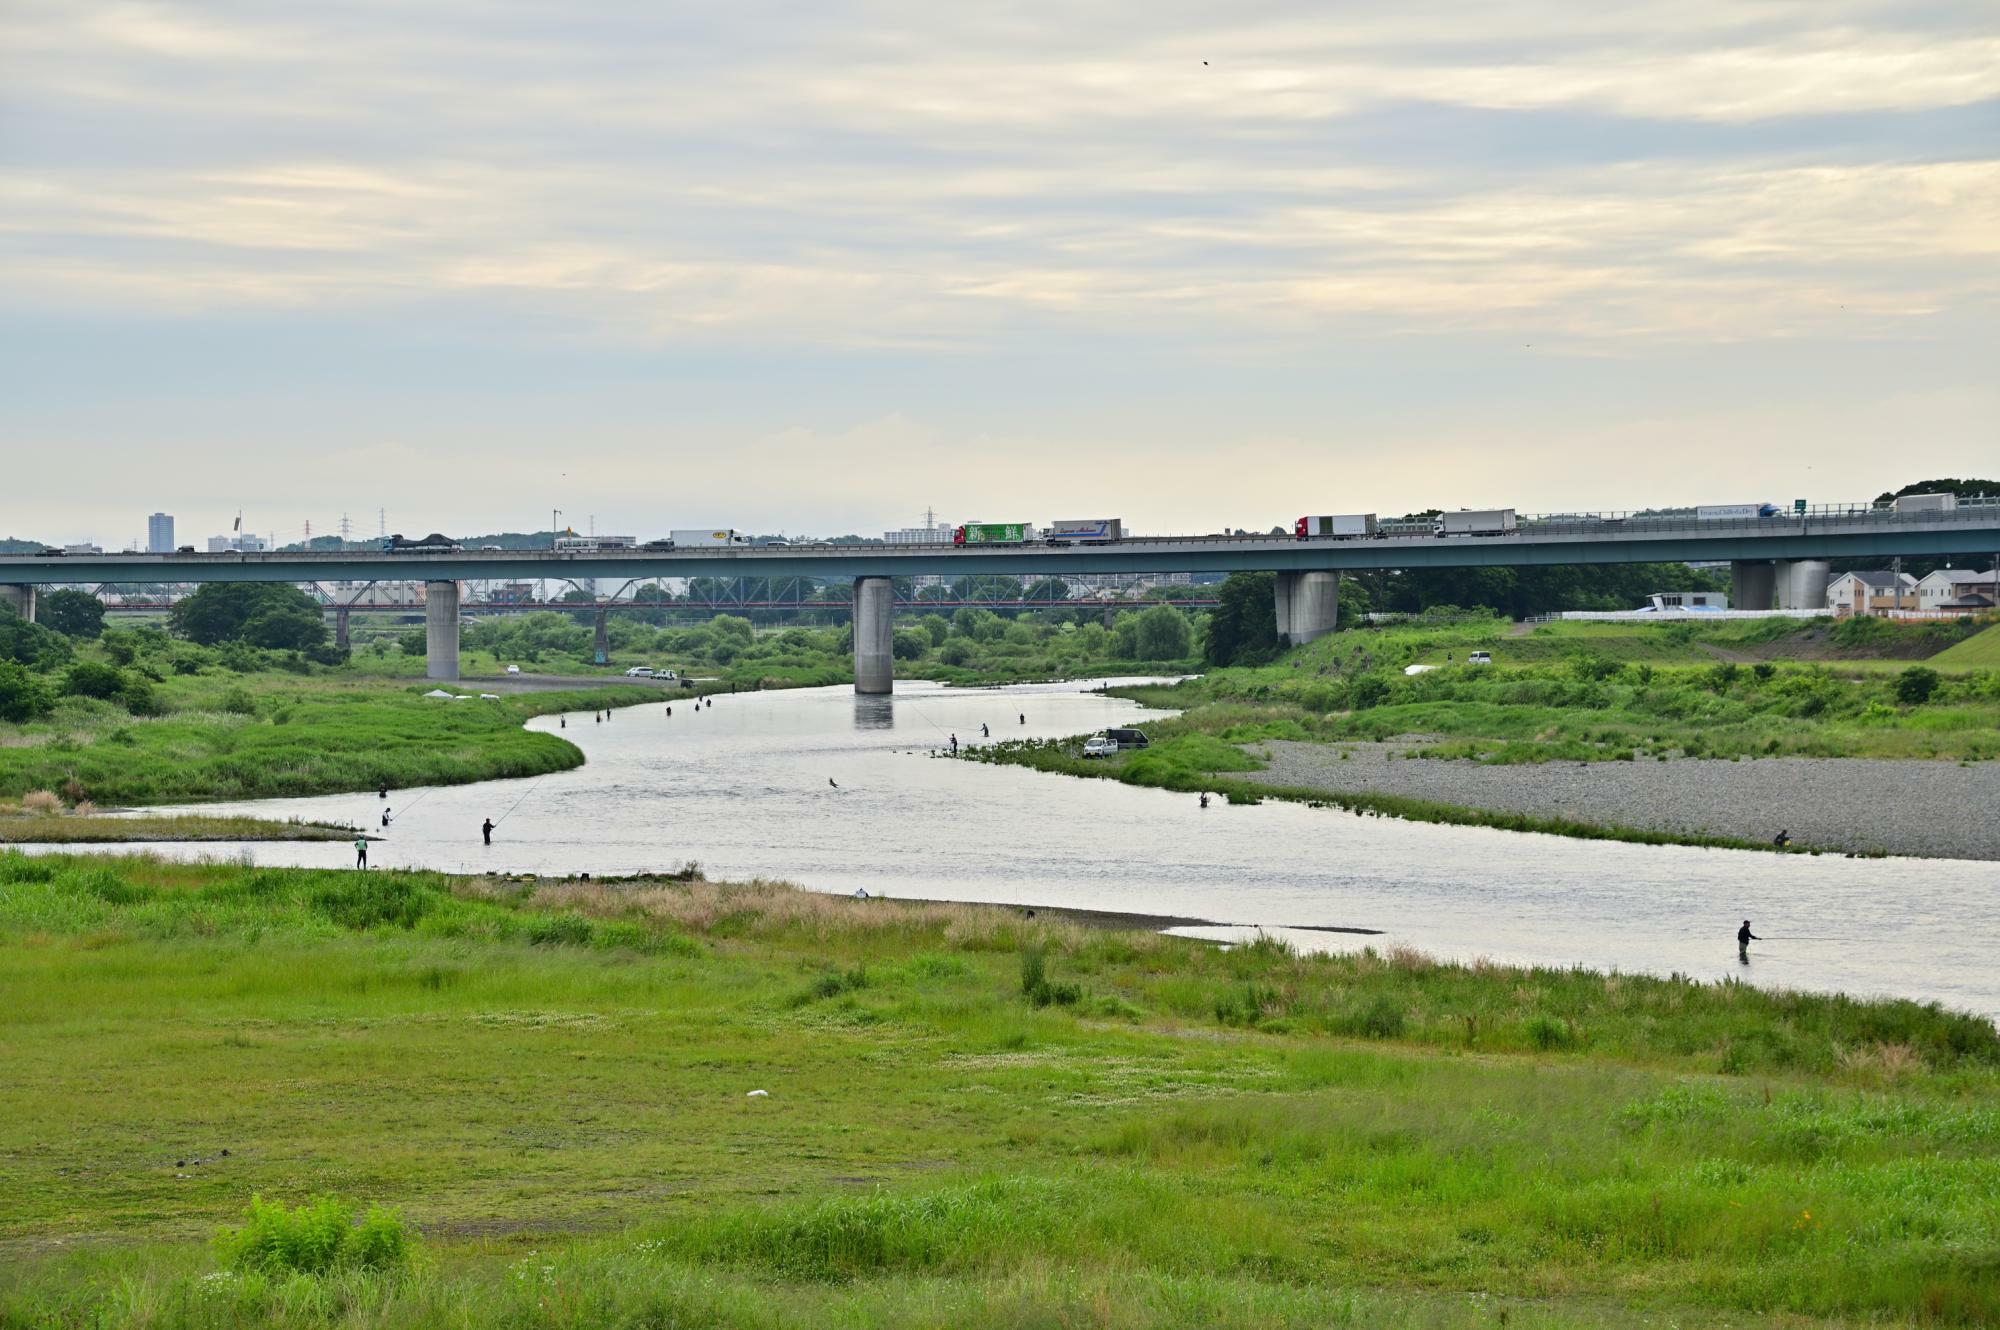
<point x="1862" y="805"/>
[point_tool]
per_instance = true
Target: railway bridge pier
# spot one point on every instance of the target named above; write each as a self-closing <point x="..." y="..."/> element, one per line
<point x="20" y="599"/>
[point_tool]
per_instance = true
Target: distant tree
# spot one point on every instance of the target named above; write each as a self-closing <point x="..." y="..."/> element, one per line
<point x="413" y="642"/>
<point x="1162" y="633"/>
<point x="1964" y="489"/>
<point x="71" y="613"/>
<point x="730" y="628"/>
<point x="1244" y="626"/>
<point x="219" y="611"/>
<point x="285" y="626"/>
<point x="937" y="627"/>
<point x="909" y="644"/>
<point x="1046" y="588"/>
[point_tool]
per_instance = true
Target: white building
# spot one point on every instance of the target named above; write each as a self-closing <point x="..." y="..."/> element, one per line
<point x="1964" y="589"/>
<point x="1861" y="593"/>
<point x="1673" y="601"/>
<point x="919" y="535"/>
<point x="243" y="544"/>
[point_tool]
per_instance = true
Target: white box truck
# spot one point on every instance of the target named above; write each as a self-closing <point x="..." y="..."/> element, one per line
<point x="1927" y="503"/>
<point x="1716" y="512"/>
<point x="706" y="539"/>
<point x="1340" y="526"/>
<point x="1477" y="522"/>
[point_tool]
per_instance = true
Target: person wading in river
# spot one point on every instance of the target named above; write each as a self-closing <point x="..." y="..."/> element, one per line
<point x="1744" y="937"/>
<point x="486" y="830"/>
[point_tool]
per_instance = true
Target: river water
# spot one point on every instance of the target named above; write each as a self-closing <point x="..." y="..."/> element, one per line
<point x="839" y="793"/>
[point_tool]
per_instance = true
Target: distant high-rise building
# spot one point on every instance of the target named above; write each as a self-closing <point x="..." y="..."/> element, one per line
<point x="160" y="533"/>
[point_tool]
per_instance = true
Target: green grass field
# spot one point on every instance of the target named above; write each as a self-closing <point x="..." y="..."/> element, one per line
<point x="273" y="735"/>
<point x="971" y="1118"/>
<point x="1978" y="652"/>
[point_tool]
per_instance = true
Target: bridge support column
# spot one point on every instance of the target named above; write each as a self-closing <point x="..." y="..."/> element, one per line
<point x="1308" y="606"/>
<point x="1287" y="592"/>
<point x="1315" y="606"/>
<point x="441" y="630"/>
<point x="340" y="638"/>
<point x="602" y="640"/>
<point x="1801" y="584"/>
<point x="874" y="635"/>
<point x="20" y="599"/>
<point x="1752" y="586"/>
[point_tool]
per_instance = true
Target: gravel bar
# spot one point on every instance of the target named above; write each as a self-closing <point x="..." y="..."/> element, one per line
<point x="1937" y="810"/>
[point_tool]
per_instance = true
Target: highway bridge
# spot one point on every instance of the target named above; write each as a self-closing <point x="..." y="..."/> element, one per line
<point x="1778" y="561"/>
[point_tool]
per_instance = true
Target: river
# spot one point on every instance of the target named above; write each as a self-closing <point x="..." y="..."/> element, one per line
<point x="839" y="793"/>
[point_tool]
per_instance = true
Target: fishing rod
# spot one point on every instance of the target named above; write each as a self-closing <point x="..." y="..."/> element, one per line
<point x="518" y="802"/>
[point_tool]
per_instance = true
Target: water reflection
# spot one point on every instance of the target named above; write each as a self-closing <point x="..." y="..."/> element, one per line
<point x="874" y="713"/>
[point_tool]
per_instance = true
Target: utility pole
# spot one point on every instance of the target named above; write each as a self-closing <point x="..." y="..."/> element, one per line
<point x="554" y="515"/>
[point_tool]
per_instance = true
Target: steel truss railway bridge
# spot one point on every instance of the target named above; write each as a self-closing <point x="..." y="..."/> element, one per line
<point x="1778" y="561"/>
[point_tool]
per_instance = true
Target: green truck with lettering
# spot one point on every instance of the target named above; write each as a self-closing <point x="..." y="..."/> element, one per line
<point x="992" y="533"/>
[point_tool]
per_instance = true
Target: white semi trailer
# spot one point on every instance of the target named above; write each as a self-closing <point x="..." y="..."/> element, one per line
<point x="1340" y="526"/>
<point x="709" y="538"/>
<point x="1478" y="522"/>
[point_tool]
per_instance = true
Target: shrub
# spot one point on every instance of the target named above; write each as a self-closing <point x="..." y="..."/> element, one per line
<point x="316" y="1238"/>
<point x="1546" y="1032"/>
<point x="1381" y="1018"/>
<point x="88" y="678"/>
<point x="1915" y="685"/>
<point x="24" y="696"/>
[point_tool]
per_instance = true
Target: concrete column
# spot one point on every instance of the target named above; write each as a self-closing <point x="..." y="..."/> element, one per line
<point x="1287" y="593"/>
<point x="441" y="630"/>
<point x="1752" y="586"/>
<point x="20" y="599"/>
<point x="603" y="638"/>
<point x="874" y="634"/>
<point x="1801" y="584"/>
<point x="1315" y="606"/>
<point x="340" y="638"/>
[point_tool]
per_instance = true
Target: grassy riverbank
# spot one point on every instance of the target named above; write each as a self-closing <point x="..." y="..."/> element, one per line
<point x="273" y="735"/>
<point x="74" y="827"/>
<point x="971" y="1118"/>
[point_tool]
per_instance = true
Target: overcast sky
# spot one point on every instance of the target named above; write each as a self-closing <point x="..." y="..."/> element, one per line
<point x="817" y="267"/>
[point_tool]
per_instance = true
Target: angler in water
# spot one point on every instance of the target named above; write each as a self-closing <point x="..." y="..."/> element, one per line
<point x="1744" y="937"/>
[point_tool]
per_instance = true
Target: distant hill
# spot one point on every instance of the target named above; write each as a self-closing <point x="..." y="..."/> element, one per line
<point x="14" y="545"/>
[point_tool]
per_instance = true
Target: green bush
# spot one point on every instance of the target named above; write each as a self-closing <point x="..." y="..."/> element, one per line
<point x="88" y="678"/>
<point x="317" y="1238"/>
<point x="24" y="696"/>
<point x="1915" y="685"/>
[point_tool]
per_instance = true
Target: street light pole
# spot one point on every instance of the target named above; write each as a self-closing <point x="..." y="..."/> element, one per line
<point x="554" y="513"/>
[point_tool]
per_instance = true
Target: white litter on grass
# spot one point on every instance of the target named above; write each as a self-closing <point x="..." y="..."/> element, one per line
<point x="439" y="692"/>
<point x="1418" y="669"/>
<point x="758" y="1094"/>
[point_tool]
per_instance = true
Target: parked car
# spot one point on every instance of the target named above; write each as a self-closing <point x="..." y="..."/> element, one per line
<point x="639" y="672"/>
<point x="1100" y="745"/>
<point x="1127" y="738"/>
<point x="1480" y="658"/>
<point x="513" y="669"/>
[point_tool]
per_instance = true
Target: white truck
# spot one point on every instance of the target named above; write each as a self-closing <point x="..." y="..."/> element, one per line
<point x="1478" y="522"/>
<point x="1084" y="530"/>
<point x="1927" y="503"/>
<point x="1341" y="526"/>
<point x="1716" y="512"/>
<point x="711" y="538"/>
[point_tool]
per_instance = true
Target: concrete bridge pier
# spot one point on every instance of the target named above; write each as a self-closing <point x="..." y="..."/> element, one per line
<point x="340" y="638"/>
<point x="20" y="599"/>
<point x="441" y="630"/>
<point x="1753" y="586"/>
<point x="1308" y="606"/>
<point x="602" y="641"/>
<point x="1801" y="584"/>
<point x="874" y="635"/>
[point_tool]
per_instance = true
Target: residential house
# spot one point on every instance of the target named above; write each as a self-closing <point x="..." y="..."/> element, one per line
<point x="1965" y="589"/>
<point x="1864" y="593"/>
